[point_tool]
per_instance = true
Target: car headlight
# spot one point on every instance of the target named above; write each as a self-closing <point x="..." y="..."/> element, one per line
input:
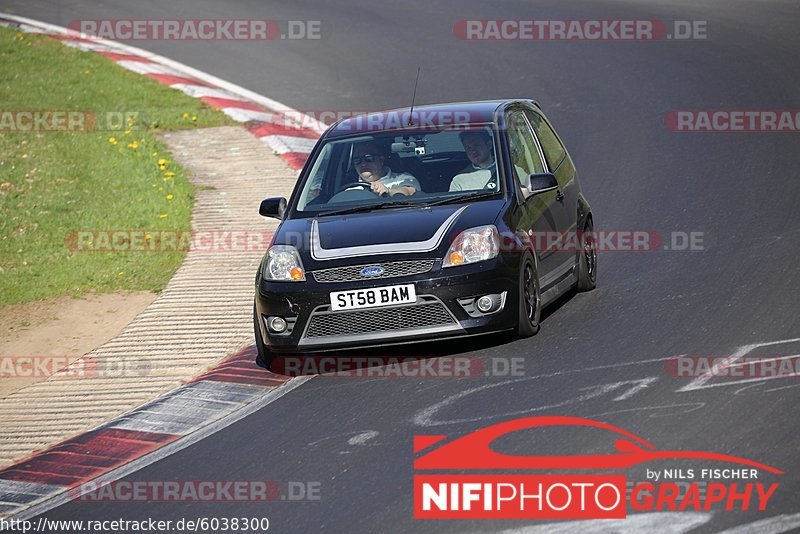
<point x="284" y="265"/>
<point x="470" y="246"/>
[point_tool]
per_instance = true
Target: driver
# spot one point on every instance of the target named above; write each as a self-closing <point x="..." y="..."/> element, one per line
<point x="368" y="161"/>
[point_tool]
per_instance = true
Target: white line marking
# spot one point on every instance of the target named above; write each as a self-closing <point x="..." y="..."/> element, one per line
<point x="638" y="385"/>
<point x="690" y="407"/>
<point x="665" y="522"/>
<point x="772" y="525"/>
<point x="363" y="437"/>
<point x="425" y="416"/>
<point x="700" y="382"/>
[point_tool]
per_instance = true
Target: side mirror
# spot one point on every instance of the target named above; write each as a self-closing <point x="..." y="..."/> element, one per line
<point x="542" y="183"/>
<point x="273" y="207"/>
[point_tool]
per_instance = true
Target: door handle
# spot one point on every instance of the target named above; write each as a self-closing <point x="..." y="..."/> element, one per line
<point x="559" y="195"/>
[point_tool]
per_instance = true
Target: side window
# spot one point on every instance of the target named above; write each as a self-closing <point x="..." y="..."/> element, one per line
<point x="525" y="156"/>
<point x="553" y="149"/>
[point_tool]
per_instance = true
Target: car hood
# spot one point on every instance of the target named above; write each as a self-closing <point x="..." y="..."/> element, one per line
<point x="424" y="230"/>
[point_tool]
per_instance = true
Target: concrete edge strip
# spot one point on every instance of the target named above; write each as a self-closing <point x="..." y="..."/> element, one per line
<point x="293" y="144"/>
<point x="143" y="436"/>
<point x="65" y="494"/>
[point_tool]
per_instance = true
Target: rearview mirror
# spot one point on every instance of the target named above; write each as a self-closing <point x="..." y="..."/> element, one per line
<point x="542" y="183"/>
<point x="273" y="207"/>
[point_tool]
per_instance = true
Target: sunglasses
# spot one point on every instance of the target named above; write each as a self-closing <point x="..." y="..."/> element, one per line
<point x="369" y="158"/>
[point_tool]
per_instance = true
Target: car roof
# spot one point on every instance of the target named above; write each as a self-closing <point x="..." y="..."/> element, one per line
<point x="476" y="112"/>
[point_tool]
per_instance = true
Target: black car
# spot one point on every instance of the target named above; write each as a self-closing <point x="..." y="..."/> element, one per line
<point x="442" y="221"/>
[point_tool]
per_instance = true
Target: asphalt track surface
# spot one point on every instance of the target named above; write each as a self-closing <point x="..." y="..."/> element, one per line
<point x="607" y="99"/>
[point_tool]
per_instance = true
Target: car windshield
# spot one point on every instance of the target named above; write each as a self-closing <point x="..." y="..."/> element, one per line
<point x="399" y="169"/>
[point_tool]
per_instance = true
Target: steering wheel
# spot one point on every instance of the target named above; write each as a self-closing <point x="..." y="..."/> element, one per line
<point x="364" y="185"/>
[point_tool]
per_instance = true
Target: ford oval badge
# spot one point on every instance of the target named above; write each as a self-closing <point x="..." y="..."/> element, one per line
<point x="373" y="270"/>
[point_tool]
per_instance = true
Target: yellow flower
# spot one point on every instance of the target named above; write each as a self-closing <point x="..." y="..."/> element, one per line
<point x="133" y="144"/>
<point x="127" y="132"/>
<point x="169" y="174"/>
<point x="169" y="197"/>
<point x="112" y="140"/>
<point x="194" y="117"/>
<point x="185" y="115"/>
<point x="154" y="154"/>
<point x="162" y="161"/>
<point x="148" y="236"/>
<point x="164" y="215"/>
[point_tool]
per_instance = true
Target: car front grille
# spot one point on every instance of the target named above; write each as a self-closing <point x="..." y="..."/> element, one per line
<point x="427" y="313"/>
<point x="392" y="269"/>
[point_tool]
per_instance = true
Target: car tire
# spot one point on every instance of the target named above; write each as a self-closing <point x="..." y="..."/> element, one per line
<point x="587" y="258"/>
<point x="264" y="356"/>
<point x="530" y="298"/>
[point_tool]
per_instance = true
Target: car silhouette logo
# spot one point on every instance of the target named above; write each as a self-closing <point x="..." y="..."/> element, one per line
<point x="473" y="450"/>
<point x="373" y="270"/>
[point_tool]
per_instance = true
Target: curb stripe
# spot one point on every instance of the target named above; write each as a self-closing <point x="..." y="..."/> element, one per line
<point x="221" y="103"/>
<point x="199" y="91"/>
<point x="284" y="144"/>
<point x="143" y="67"/>
<point x="62" y="37"/>
<point x="115" y="56"/>
<point x="295" y="160"/>
<point x="121" y="446"/>
<point x="264" y="129"/>
<point x="171" y="79"/>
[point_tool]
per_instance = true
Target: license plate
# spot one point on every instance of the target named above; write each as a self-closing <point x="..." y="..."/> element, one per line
<point x="372" y="297"/>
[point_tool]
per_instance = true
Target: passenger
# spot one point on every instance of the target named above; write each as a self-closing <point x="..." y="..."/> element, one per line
<point x="368" y="161"/>
<point x="481" y="173"/>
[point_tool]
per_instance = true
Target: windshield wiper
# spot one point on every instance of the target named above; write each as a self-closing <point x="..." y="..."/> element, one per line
<point x="407" y="204"/>
<point x="370" y="207"/>
<point x="463" y="198"/>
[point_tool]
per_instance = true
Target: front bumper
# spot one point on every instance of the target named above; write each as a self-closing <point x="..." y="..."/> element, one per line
<point x="442" y="308"/>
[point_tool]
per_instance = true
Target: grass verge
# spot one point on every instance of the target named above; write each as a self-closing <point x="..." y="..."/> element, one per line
<point x="115" y="176"/>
